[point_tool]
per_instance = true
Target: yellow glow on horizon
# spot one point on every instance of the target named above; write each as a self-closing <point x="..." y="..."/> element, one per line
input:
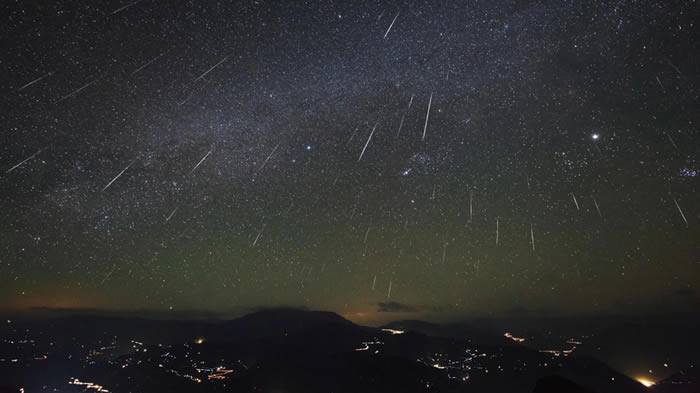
<point x="645" y="381"/>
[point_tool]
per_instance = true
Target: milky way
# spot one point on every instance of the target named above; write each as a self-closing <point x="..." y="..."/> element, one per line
<point x="513" y="156"/>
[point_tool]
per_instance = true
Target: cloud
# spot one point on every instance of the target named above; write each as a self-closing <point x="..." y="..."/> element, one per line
<point x="402" y="307"/>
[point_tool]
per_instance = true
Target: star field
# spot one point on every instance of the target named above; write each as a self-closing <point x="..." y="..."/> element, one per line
<point x="465" y="158"/>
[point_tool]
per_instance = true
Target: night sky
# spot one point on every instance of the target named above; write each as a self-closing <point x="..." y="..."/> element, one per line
<point x="377" y="159"/>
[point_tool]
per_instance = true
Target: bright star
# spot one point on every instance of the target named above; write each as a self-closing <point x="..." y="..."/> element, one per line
<point x="595" y="136"/>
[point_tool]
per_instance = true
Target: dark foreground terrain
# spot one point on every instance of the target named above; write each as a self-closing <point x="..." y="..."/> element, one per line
<point x="289" y="351"/>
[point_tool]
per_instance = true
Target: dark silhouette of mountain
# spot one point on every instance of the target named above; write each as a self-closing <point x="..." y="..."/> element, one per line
<point x="684" y="381"/>
<point x="276" y="322"/>
<point x="558" y="384"/>
<point x="633" y="342"/>
<point x="597" y="376"/>
<point x="625" y="342"/>
<point x="292" y="317"/>
<point x="283" y="350"/>
<point x="456" y="330"/>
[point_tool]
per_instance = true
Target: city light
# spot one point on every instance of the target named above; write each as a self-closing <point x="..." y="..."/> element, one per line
<point x="645" y="381"/>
